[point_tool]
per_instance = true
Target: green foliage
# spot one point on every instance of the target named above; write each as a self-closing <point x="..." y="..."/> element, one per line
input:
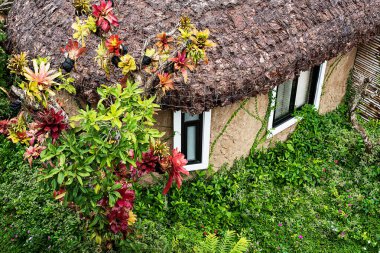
<point x="318" y="190"/>
<point x="84" y="160"/>
<point x="228" y="244"/>
<point x="31" y="220"/>
<point x="5" y="111"/>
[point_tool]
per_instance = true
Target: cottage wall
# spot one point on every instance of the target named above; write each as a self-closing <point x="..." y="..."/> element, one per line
<point x="234" y="128"/>
<point x="334" y="88"/>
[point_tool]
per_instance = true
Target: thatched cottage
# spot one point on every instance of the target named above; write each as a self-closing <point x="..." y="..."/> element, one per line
<point x="273" y="57"/>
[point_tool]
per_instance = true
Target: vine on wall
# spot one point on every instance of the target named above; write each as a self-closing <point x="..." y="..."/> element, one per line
<point x="261" y="135"/>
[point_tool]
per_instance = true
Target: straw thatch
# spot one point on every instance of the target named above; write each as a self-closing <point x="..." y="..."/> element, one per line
<point x="261" y="43"/>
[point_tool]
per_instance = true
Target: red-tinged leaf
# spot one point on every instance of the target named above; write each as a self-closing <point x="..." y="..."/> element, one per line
<point x="168" y="185"/>
<point x="178" y="162"/>
<point x="73" y="50"/>
<point x="105" y="15"/>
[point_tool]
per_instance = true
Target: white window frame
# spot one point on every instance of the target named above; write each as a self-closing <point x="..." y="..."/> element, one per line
<point x="206" y="134"/>
<point x="292" y="121"/>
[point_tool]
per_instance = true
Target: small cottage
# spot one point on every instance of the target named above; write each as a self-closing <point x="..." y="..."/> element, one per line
<point x="272" y="58"/>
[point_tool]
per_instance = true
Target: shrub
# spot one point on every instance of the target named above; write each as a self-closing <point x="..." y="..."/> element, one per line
<point x="32" y="221"/>
<point x="318" y="190"/>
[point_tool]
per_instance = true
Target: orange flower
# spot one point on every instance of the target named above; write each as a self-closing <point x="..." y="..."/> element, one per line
<point x="163" y="41"/>
<point x="166" y="81"/>
<point x="113" y="44"/>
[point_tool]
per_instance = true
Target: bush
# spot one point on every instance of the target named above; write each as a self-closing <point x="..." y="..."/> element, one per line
<point x="317" y="192"/>
<point x="32" y="221"/>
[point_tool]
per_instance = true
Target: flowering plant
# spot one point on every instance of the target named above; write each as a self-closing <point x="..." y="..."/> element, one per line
<point x="104" y="16"/>
<point x="93" y="159"/>
<point x="182" y="64"/>
<point x="113" y="45"/>
<point x="166" y="81"/>
<point x="73" y="50"/>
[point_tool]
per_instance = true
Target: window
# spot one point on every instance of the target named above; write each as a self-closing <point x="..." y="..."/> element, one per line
<point x="192" y="137"/>
<point x="293" y="94"/>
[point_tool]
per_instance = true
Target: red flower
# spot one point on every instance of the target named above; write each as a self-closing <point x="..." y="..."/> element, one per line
<point x="182" y="63"/>
<point x="119" y="216"/>
<point x="105" y="16"/>
<point x="73" y="50"/>
<point x="4" y="127"/>
<point x="148" y="163"/>
<point x="178" y="162"/>
<point x="113" y="45"/>
<point x="51" y="122"/>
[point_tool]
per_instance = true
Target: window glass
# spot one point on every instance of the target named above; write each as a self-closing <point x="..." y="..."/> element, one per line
<point x="294" y="94"/>
<point x="191" y="143"/>
<point x="189" y="117"/>
<point x="284" y="92"/>
<point x="192" y="132"/>
<point x="303" y="86"/>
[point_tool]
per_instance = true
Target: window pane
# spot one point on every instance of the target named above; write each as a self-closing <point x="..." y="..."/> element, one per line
<point x="303" y="89"/>
<point x="191" y="143"/>
<point x="189" y="117"/>
<point x="284" y="92"/>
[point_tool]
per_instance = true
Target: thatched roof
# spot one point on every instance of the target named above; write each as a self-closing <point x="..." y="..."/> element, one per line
<point x="261" y="43"/>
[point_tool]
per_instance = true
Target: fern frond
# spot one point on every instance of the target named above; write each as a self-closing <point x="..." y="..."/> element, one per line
<point x="227" y="242"/>
<point x="241" y="246"/>
<point x="209" y="245"/>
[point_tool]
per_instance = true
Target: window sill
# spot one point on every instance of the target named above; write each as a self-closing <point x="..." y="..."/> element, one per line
<point x="282" y="127"/>
<point x="199" y="166"/>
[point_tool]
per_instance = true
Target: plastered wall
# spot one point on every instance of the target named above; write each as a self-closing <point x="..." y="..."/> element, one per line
<point x="334" y="88"/>
<point x="234" y="128"/>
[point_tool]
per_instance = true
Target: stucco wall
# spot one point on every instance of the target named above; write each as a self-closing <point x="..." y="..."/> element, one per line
<point x="334" y="88"/>
<point x="239" y="136"/>
<point x="235" y="127"/>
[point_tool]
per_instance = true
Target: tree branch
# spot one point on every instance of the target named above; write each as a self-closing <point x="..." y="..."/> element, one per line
<point x="33" y="106"/>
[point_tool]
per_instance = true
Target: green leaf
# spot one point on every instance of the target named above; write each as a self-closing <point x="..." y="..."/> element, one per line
<point x="290" y="147"/>
<point x="80" y="180"/>
<point x="89" y="160"/>
<point x="62" y="160"/>
<point x="93" y="223"/>
<point x="116" y="187"/>
<point x="112" y="200"/>
<point x="130" y="161"/>
<point x="84" y="174"/>
<point x="60" y="178"/>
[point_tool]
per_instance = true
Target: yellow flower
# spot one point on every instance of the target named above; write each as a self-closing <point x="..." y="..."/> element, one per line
<point x="132" y="218"/>
<point x="127" y="64"/>
<point x="82" y="30"/>
<point x="102" y="57"/>
<point x="17" y="63"/>
<point x="200" y="39"/>
<point x="83" y="6"/>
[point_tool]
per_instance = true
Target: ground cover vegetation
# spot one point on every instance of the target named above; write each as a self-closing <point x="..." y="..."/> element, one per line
<point x="317" y="192"/>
